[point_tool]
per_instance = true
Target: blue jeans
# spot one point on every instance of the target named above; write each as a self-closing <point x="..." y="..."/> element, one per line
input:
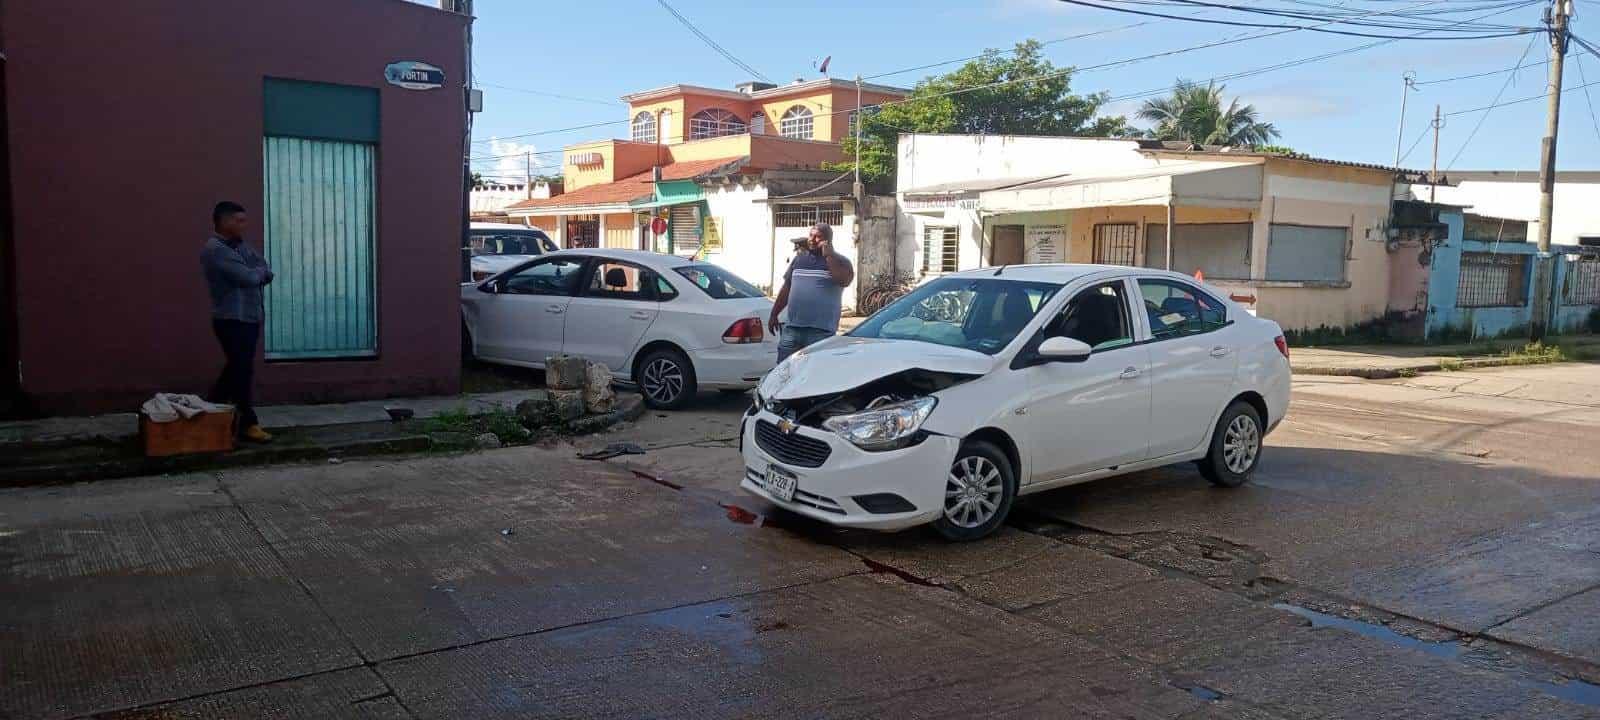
<point x="793" y="338"/>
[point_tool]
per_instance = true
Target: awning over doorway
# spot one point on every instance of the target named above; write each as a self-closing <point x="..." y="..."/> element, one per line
<point x="1178" y="184"/>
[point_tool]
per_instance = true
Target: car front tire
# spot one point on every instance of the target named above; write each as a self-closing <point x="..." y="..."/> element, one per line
<point x="1235" y="447"/>
<point x="979" y="490"/>
<point x="666" y="379"/>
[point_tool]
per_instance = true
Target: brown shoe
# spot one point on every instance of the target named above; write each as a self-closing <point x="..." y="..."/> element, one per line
<point x="255" y="434"/>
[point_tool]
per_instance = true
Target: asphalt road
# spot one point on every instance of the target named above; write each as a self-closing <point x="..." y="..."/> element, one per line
<point x="1425" y="548"/>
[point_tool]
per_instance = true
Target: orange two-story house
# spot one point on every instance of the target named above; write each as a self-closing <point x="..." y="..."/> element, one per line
<point x="735" y="173"/>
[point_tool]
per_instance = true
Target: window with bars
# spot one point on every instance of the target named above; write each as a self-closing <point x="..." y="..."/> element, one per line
<point x="1582" y="283"/>
<point x="808" y="215"/>
<point x="941" y="249"/>
<point x="643" y="128"/>
<point x="714" y="122"/>
<point x="1492" y="280"/>
<point x="796" y="123"/>
<point x="1114" y="243"/>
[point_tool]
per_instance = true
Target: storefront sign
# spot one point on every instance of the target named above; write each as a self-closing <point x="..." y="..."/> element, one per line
<point x="658" y="226"/>
<point x="1045" y="244"/>
<point x="942" y="201"/>
<point x="711" y="240"/>
<point x="413" y="75"/>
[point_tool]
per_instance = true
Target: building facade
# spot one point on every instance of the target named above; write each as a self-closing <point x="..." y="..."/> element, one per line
<point x="125" y="122"/>
<point x="1514" y="195"/>
<point x="1301" y="241"/>
<point x="730" y="176"/>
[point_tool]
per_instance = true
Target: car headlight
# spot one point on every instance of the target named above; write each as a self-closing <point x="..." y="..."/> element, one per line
<point x="886" y="427"/>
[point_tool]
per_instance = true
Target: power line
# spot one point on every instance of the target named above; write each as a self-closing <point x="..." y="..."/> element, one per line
<point x="1313" y="28"/>
<point x="1497" y="96"/>
<point x="1338" y="13"/>
<point x="1588" y="100"/>
<point x="712" y="43"/>
<point x="542" y="93"/>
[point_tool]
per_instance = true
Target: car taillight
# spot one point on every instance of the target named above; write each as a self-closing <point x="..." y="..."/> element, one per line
<point x="747" y="330"/>
<point x="1283" y="346"/>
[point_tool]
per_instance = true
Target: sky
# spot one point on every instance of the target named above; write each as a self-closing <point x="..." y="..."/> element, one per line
<point x="567" y="63"/>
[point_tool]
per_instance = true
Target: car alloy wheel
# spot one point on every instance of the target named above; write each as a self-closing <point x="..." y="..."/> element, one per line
<point x="663" y="380"/>
<point x="1241" y="444"/>
<point x="972" y="492"/>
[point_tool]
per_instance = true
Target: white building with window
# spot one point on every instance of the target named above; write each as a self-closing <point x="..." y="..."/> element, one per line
<point x="1302" y="241"/>
<point x="1514" y="195"/>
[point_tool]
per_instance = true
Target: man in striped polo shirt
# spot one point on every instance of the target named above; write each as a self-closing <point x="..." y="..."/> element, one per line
<point x="812" y="288"/>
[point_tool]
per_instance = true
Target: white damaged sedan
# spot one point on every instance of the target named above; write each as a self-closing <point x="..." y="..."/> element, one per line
<point x="981" y="386"/>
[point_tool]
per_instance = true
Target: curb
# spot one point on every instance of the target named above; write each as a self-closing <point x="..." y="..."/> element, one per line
<point x="1382" y="373"/>
<point x="38" y="475"/>
<point x="630" y="407"/>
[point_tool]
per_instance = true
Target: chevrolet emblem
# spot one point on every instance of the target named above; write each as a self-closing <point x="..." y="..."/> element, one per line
<point x="786" y="426"/>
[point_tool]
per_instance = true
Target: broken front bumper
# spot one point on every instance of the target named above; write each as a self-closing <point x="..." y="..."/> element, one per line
<point x="834" y="491"/>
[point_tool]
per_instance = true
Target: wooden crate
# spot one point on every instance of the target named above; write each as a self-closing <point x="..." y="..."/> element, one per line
<point x="203" y="433"/>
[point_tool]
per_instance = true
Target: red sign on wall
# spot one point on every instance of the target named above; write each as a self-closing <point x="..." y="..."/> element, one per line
<point x="658" y="226"/>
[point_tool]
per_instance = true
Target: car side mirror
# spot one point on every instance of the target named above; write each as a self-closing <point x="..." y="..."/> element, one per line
<point x="489" y="287"/>
<point x="1064" y="349"/>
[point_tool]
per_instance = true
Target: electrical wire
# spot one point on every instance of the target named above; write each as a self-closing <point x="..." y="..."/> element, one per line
<point x="542" y="93"/>
<point x="1485" y="116"/>
<point x="1588" y="100"/>
<point x="1312" y="28"/>
<point x="712" y="43"/>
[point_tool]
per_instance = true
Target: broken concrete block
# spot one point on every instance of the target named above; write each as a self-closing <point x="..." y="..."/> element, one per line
<point x="487" y="441"/>
<point x="598" y="397"/>
<point x="565" y="372"/>
<point x="566" y="404"/>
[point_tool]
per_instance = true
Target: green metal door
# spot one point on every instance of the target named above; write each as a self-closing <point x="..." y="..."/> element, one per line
<point x="318" y="229"/>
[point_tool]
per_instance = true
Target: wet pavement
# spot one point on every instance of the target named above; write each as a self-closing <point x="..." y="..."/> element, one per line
<point x="1427" y="548"/>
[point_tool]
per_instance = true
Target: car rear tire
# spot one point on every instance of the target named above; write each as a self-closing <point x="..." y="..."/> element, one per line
<point x="666" y="378"/>
<point x="978" y="493"/>
<point x="1235" y="447"/>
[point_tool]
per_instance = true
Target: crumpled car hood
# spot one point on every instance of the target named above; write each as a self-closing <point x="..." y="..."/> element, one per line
<point x="843" y="363"/>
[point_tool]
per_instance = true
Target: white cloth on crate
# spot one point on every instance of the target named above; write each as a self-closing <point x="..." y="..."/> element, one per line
<point x="168" y="407"/>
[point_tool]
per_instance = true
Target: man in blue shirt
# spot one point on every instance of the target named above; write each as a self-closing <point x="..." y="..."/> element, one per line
<point x="235" y="275"/>
<point x="812" y="288"/>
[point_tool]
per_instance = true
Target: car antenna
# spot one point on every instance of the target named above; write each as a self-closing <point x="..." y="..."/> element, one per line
<point x="1001" y="270"/>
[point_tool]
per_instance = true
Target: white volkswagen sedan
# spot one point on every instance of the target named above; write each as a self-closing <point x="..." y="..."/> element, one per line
<point x="667" y="324"/>
<point x="981" y="386"/>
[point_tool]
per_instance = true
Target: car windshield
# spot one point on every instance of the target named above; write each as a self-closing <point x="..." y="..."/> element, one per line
<point x="718" y="283"/>
<point x="982" y="314"/>
<point x="510" y="243"/>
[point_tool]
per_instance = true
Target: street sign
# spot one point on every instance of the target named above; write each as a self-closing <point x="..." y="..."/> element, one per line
<point x="658" y="226"/>
<point x="413" y="75"/>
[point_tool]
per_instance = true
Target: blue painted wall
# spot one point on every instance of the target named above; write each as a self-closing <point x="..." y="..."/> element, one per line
<point x="1446" y="321"/>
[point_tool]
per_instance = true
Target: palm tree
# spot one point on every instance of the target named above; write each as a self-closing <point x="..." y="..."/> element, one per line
<point x="1196" y="114"/>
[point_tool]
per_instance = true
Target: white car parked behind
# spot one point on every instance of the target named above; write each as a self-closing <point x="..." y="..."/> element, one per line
<point x="981" y="386"/>
<point x="668" y="324"/>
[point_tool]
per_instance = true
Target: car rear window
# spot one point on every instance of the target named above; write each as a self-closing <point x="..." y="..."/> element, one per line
<point x="499" y="242"/>
<point x="717" y="282"/>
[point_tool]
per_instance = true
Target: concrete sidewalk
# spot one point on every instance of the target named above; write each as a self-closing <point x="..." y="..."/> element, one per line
<point x="122" y="426"/>
<point x="1389" y="361"/>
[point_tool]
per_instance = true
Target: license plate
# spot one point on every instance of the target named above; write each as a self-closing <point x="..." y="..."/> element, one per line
<point x="780" y="484"/>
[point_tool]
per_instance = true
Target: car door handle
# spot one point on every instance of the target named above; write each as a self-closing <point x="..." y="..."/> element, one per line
<point x="554" y="309"/>
<point x="640" y="315"/>
<point x="1220" y="351"/>
<point x="1129" y="373"/>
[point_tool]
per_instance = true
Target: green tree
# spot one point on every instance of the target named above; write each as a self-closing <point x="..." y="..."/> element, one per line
<point x="1197" y="114"/>
<point x="1045" y="106"/>
<point x="477" y="181"/>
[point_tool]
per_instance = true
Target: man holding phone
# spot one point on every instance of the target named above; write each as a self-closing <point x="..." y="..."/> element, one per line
<point x="812" y="290"/>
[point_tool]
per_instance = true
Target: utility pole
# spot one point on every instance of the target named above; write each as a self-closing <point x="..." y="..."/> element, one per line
<point x="1543" y="270"/>
<point x="1410" y="78"/>
<point x="1433" y="176"/>
<point x="527" y="175"/>
<point x="857" y="189"/>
